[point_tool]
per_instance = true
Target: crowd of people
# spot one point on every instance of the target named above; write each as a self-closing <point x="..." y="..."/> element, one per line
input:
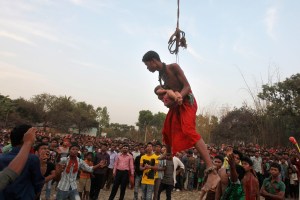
<point x="80" y="166"/>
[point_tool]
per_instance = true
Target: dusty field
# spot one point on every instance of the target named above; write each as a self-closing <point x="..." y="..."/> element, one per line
<point x="181" y="195"/>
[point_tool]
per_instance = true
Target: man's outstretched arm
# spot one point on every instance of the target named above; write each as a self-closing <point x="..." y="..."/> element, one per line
<point x="15" y="167"/>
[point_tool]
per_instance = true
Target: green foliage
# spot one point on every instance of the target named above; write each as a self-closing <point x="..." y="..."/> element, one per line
<point x="150" y="125"/>
<point x="60" y="112"/>
<point x="120" y="130"/>
<point x="239" y="125"/>
<point x="283" y="97"/>
<point x="102" y="117"/>
<point x="205" y="124"/>
<point x="282" y="117"/>
<point x="7" y="106"/>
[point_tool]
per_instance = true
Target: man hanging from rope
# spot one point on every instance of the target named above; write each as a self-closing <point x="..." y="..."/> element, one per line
<point x="179" y="131"/>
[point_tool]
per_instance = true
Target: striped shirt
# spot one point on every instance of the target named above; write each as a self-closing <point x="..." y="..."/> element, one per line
<point x="68" y="180"/>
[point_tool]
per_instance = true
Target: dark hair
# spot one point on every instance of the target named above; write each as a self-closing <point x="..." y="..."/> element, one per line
<point x="45" y="137"/>
<point x="241" y="172"/>
<point x="150" y="144"/>
<point x="150" y="55"/>
<point x="90" y="153"/>
<point x="247" y="160"/>
<point x="74" y="145"/>
<point x="220" y="158"/>
<point x="238" y="153"/>
<point x="17" y="134"/>
<point x="38" y="146"/>
<point x="54" y="139"/>
<point x="275" y="165"/>
<point x="125" y="145"/>
<point x="158" y="144"/>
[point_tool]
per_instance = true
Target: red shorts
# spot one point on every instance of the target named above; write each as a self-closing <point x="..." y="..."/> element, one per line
<point x="179" y="129"/>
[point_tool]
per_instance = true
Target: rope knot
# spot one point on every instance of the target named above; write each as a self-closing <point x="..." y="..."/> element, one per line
<point x="177" y="38"/>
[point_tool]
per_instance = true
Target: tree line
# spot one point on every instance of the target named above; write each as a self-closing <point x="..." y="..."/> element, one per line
<point x="271" y="120"/>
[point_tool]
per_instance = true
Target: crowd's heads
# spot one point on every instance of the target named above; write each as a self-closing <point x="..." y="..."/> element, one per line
<point x="74" y="149"/>
<point x="89" y="156"/>
<point x="16" y="135"/>
<point x="218" y="161"/>
<point x="41" y="147"/>
<point x="125" y="148"/>
<point x="149" y="147"/>
<point x="274" y="166"/>
<point x="45" y="139"/>
<point x="237" y="156"/>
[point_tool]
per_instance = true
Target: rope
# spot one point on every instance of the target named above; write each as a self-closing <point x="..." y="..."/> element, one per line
<point x="178" y="37"/>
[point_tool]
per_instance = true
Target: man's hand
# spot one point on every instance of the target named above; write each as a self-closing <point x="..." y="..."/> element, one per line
<point x="179" y="100"/>
<point x="231" y="160"/>
<point x="29" y="136"/>
<point x="264" y="193"/>
<point x="60" y="168"/>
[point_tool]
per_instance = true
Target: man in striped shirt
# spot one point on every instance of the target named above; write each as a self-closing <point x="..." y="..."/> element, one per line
<point x="123" y="168"/>
<point x="67" y="187"/>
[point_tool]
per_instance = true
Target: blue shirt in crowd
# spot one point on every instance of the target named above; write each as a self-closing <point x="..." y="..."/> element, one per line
<point x="30" y="181"/>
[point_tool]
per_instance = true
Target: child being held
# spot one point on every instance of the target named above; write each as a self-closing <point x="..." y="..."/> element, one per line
<point x="169" y="97"/>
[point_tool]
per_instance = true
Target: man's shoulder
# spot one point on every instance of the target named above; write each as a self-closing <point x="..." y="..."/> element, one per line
<point x="146" y="156"/>
<point x="172" y="65"/>
<point x="281" y="183"/>
<point x="266" y="180"/>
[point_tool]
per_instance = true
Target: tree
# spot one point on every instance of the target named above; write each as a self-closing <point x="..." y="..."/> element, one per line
<point x="282" y="117"/>
<point x="239" y="125"/>
<point x="44" y="102"/>
<point x="205" y="124"/>
<point x="102" y="117"/>
<point x="61" y="113"/>
<point x="144" y="121"/>
<point x="84" y="116"/>
<point x="151" y="124"/>
<point x="120" y="130"/>
<point x="6" y="108"/>
<point x="28" y="111"/>
<point x="157" y="124"/>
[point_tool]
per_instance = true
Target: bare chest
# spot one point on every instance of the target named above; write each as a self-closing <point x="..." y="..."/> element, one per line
<point x="171" y="81"/>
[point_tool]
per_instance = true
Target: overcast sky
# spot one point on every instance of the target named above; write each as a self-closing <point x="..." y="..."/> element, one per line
<point x="92" y="49"/>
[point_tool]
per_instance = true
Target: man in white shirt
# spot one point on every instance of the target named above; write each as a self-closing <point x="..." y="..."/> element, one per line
<point x="67" y="186"/>
<point x="136" y="152"/>
<point x="112" y="156"/>
<point x="257" y="166"/>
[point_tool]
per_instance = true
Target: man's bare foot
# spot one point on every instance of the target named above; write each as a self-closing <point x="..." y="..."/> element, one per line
<point x="211" y="183"/>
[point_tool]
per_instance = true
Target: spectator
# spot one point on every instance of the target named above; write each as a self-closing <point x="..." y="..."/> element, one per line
<point x="84" y="185"/>
<point x="157" y="153"/>
<point x="30" y="182"/>
<point x="148" y="165"/>
<point x="99" y="178"/>
<point x="67" y="186"/>
<point x="273" y="187"/>
<point x="257" y="166"/>
<point x="123" y="168"/>
<point x="138" y="173"/>
<point x="112" y="157"/>
<point x="250" y="181"/>
<point x="15" y="167"/>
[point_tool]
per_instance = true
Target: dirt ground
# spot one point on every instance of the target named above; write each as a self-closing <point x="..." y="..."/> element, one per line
<point x="176" y="195"/>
